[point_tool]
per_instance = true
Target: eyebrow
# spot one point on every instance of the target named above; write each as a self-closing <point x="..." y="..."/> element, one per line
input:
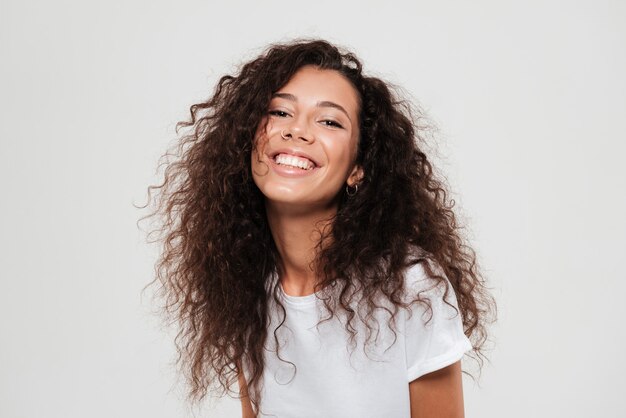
<point x="324" y="103"/>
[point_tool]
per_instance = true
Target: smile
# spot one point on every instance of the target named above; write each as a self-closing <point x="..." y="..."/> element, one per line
<point x="291" y="166"/>
<point x="293" y="161"/>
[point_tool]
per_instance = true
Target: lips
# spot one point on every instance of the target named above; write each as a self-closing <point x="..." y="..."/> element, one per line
<point x="294" y="157"/>
<point x="293" y="161"/>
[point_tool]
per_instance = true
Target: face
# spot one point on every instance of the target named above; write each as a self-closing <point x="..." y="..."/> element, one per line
<point x="306" y="154"/>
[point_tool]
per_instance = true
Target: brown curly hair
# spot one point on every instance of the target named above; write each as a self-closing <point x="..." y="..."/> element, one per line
<point x="217" y="250"/>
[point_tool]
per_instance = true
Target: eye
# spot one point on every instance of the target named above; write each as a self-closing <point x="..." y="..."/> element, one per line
<point x="330" y="122"/>
<point x="279" y="113"/>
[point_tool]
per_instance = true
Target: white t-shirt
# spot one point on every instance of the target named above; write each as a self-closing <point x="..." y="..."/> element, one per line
<point x="329" y="380"/>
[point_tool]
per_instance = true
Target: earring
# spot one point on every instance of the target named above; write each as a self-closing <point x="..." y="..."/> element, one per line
<point x="349" y="193"/>
<point x="283" y="136"/>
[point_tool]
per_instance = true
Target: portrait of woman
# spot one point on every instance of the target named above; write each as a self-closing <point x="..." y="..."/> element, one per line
<point x="311" y="255"/>
<point x="312" y="209"/>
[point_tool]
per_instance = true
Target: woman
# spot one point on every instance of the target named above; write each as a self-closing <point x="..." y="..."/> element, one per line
<point x="310" y="254"/>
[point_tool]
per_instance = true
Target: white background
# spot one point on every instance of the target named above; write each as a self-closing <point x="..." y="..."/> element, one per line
<point x="530" y="99"/>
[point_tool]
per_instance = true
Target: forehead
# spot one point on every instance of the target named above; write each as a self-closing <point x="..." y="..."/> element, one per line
<point x="313" y="84"/>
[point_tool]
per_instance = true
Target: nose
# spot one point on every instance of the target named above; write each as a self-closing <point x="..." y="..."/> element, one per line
<point x="297" y="130"/>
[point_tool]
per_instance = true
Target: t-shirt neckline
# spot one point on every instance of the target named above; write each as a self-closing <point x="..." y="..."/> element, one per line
<point x="297" y="300"/>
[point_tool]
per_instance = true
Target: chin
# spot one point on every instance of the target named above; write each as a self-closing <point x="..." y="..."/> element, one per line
<point x="282" y="198"/>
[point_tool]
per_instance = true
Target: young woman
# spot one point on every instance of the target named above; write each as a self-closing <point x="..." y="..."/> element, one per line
<point x="310" y="253"/>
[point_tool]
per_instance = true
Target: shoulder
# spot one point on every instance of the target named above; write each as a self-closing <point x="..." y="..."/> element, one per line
<point x="426" y="279"/>
<point x="433" y="327"/>
<point x="429" y="293"/>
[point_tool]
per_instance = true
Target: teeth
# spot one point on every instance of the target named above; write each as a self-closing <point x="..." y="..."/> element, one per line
<point x="292" y="160"/>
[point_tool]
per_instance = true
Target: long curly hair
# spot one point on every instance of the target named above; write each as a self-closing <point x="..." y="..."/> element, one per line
<point x="217" y="250"/>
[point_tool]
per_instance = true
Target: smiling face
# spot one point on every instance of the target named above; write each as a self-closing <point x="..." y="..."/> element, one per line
<point x="306" y="154"/>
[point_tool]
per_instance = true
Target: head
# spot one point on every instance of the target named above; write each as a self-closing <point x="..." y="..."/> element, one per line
<point x="273" y="105"/>
<point x="306" y="146"/>
<point x="306" y="98"/>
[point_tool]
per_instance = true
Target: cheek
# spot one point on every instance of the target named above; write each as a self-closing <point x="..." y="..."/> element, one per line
<point x="258" y="167"/>
<point x="341" y="152"/>
<point x="265" y="127"/>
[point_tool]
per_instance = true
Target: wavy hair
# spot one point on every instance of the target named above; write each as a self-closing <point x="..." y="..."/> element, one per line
<point x="217" y="250"/>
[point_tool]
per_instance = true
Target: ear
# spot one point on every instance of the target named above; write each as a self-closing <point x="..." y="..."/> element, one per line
<point x="355" y="176"/>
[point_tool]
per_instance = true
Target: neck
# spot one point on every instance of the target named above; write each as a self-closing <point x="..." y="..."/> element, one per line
<point x="296" y="235"/>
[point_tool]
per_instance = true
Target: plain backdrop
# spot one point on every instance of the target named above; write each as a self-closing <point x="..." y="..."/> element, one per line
<point x="530" y="101"/>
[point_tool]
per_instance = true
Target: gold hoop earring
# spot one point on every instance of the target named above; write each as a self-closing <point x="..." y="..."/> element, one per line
<point x="349" y="193"/>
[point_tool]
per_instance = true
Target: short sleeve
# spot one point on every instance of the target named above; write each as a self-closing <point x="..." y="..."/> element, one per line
<point x="431" y="342"/>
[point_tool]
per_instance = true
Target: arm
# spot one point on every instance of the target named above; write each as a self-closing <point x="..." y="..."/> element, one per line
<point x="438" y="394"/>
<point x="246" y="405"/>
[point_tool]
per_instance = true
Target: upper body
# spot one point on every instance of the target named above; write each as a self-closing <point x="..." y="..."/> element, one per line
<point x="303" y="177"/>
<point x="320" y="375"/>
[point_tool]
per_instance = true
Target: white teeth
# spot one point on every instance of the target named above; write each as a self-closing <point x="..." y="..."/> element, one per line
<point x="292" y="160"/>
